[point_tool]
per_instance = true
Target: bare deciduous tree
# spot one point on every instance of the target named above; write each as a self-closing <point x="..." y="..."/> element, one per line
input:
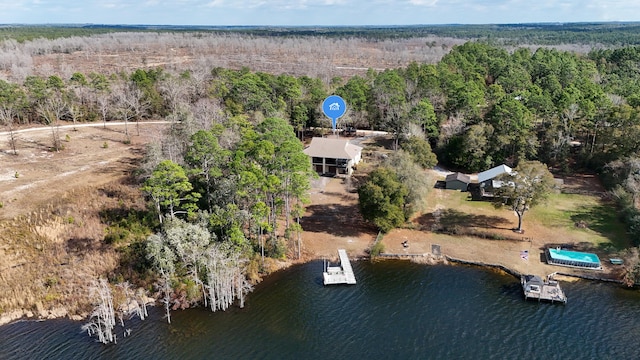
<point x="76" y="113"/>
<point x="102" y="321"/>
<point x="104" y="105"/>
<point x="226" y="281"/>
<point x="51" y="110"/>
<point x="175" y="91"/>
<point x="7" y="117"/>
<point x="128" y="104"/>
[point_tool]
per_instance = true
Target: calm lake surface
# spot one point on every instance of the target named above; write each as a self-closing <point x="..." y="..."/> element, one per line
<point x="398" y="310"/>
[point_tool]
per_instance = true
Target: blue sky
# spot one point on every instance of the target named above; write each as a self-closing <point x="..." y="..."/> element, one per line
<point x="318" y="12"/>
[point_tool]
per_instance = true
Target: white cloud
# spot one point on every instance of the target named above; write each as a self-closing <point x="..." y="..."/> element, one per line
<point x="215" y="3"/>
<point x="423" y="2"/>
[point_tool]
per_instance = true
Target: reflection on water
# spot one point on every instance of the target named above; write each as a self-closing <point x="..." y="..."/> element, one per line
<point x="398" y="310"/>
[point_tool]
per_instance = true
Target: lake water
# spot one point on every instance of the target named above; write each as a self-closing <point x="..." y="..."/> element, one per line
<point x="398" y="310"/>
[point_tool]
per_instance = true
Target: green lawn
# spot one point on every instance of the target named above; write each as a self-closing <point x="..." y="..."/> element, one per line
<point x="603" y="226"/>
<point x="559" y="216"/>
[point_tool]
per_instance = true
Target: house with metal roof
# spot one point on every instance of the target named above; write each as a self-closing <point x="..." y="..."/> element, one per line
<point x="333" y="156"/>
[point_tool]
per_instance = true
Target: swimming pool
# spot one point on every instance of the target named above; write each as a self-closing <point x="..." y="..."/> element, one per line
<point x="573" y="259"/>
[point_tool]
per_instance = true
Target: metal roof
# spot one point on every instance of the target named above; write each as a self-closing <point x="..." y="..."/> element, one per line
<point x="332" y="148"/>
<point x="493" y="173"/>
<point x="458" y="176"/>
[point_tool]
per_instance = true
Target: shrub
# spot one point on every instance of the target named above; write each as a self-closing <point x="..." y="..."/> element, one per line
<point x="50" y="281"/>
<point x="420" y="151"/>
<point x="116" y="234"/>
<point x="276" y="248"/>
<point x="376" y="249"/>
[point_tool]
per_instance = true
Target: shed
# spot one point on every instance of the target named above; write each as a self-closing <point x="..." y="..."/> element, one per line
<point x="487" y="182"/>
<point x="457" y="181"/>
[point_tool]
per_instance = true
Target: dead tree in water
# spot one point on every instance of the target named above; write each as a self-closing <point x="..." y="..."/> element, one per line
<point x="189" y="247"/>
<point x="133" y="303"/>
<point x="102" y="319"/>
<point x="164" y="258"/>
<point x="226" y="280"/>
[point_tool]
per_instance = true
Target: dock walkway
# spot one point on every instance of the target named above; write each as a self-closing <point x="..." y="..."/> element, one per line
<point x="342" y="274"/>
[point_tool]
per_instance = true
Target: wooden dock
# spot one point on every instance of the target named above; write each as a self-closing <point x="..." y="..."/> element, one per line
<point x="536" y="288"/>
<point x="341" y="274"/>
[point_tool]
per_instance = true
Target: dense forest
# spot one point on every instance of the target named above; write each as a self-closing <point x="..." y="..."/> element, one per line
<point x="228" y="181"/>
<point x="607" y="33"/>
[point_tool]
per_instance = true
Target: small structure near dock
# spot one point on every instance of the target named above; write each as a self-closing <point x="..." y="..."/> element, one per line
<point x="341" y="274"/>
<point x="536" y="288"/>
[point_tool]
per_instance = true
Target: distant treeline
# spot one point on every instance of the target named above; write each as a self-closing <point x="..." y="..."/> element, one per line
<point x="606" y="33"/>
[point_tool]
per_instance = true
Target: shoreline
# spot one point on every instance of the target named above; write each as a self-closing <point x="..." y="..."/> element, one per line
<point x="426" y="259"/>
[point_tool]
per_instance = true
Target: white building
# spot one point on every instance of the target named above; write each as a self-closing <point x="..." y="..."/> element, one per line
<point x="487" y="179"/>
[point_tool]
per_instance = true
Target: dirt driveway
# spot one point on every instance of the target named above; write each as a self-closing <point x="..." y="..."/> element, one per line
<point x="332" y="221"/>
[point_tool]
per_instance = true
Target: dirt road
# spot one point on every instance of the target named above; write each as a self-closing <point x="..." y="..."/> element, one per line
<point x="93" y="155"/>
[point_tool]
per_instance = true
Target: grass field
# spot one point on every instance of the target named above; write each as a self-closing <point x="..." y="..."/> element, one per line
<point x="592" y="219"/>
<point x="583" y="220"/>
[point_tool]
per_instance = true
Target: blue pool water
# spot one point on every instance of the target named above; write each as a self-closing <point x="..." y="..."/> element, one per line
<point x="567" y="255"/>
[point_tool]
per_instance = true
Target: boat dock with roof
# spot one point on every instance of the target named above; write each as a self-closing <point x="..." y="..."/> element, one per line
<point x="341" y="274"/>
<point x="535" y="287"/>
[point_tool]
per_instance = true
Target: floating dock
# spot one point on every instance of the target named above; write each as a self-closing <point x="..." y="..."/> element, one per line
<point x="341" y="274"/>
<point x="536" y="288"/>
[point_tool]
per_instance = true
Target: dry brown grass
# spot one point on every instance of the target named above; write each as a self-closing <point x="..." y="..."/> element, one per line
<point x="52" y="255"/>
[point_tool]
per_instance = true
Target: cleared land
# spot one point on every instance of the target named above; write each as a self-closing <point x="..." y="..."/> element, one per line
<point x="476" y="231"/>
<point x="52" y="234"/>
<point x="51" y="230"/>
